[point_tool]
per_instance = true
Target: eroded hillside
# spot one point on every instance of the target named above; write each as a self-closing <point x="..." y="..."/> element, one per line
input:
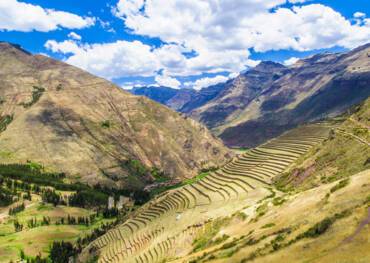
<point x="73" y="122"/>
<point x="272" y="98"/>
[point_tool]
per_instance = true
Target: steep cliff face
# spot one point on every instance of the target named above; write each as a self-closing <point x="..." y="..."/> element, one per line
<point x="71" y="121"/>
<point x="269" y="99"/>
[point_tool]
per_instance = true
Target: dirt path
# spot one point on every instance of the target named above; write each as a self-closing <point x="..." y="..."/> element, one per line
<point x="359" y="228"/>
<point x="353" y="136"/>
<point x="359" y="123"/>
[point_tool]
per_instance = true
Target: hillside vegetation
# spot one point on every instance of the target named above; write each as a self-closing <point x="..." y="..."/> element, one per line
<point x="38" y="209"/>
<point x="157" y="230"/>
<point x="283" y="200"/>
<point x="93" y="131"/>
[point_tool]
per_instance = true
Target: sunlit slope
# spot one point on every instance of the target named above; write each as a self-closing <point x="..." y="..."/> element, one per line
<point x="71" y="121"/>
<point x="156" y="231"/>
<point x="318" y="210"/>
<point x="324" y="224"/>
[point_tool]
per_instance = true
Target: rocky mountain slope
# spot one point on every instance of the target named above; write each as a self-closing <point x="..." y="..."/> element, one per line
<point x="272" y="98"/>
<point x="73" y="122"/>
<point x="238" y="93"/>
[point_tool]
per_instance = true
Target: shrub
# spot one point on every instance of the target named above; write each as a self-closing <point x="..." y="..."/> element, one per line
<point x="278" y="201"/>
<point x="136" y="168"/>
<point x="318" y="229"/>
<point x="241" y="215"/>
<point x="36" y="95"/>
<point x="59" y="87"/>
<point x="29" y="259"/>
<point x="262" y="209"/>
<point x="268" y="225"/>
<point x="229" y="245"/>
<point x="5" y="121"/>
<point x="105" y="124"/>
<point x="322" y="226"/>
<point x="219" y="240"/>
<point x="341" y="184"/>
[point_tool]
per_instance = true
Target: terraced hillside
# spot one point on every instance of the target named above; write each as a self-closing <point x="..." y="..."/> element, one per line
<point x="161" y="228"/>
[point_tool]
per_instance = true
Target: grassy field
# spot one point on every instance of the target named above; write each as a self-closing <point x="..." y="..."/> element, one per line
<point x="37" y="240"/>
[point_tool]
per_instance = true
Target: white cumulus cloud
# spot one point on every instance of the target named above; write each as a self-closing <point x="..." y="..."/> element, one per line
<point x="211" y="36"/>
<point x="65" y="47"/>
<point x="75" y="36"/>
<point x="206" y="82"/>
<point x="167" y="81"/>
<point x="19" y="16"/>
<point x="214" y="26"/>
<point x="111" y="60"/>
<point x="291" y="61"/>
<point x="359" y="15"/>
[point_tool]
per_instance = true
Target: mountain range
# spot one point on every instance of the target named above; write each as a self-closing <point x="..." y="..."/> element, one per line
<point x="272" y="98"/>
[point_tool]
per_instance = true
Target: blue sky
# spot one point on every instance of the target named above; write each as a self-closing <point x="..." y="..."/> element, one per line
<point x="183" y="43"/>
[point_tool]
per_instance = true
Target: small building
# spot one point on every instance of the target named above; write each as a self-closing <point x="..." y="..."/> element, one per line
<point x="111" y="202"/>
<point x="123" y="202"/>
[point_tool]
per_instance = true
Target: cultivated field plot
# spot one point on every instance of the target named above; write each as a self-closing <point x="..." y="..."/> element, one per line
<point x="157" y="231"/>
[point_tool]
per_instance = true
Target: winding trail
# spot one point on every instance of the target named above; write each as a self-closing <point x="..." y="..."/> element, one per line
<point x="340" y="131"/>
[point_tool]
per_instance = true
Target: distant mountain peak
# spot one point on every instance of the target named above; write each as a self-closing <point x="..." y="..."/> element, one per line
<point x="268" y="66"/>
<point x="270" y="63"/>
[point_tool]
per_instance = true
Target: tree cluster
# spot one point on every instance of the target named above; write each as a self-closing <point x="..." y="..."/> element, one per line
<point x="17" y="226"/>
<point x="60" y="252"/>
<point x="16" y="209"/>
<point x="33" y="222"/>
